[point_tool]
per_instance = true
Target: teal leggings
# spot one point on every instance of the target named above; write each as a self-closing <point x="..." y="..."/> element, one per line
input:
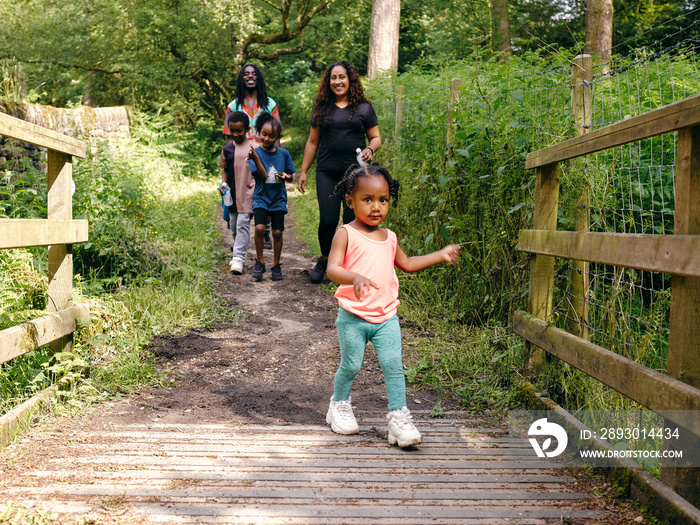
<point x="353" y="335"/>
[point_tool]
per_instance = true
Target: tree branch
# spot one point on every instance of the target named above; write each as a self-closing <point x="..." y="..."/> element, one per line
<point x="273" y="5"/>
<point x="261" y="55"/>
<point x="287" y="34"/>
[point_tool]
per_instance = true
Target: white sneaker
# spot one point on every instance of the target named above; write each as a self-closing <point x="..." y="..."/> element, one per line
<point x="236" y="265"/>
<point x="341" y="418"/>
<point x="401" y="428"/>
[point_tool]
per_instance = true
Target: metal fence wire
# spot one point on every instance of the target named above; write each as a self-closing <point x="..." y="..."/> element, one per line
<point x="630" y="188"/>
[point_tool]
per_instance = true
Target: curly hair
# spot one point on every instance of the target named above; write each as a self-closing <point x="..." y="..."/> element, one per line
<point x="263" y="119"/>
<point x="354" y="173"/>
<point x="238" y="116"/>
<point x="325" y="99"/>
<point x="260" y="88"/>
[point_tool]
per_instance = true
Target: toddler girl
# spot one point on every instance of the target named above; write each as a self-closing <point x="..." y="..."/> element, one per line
<point x="361" y="261"/>
<point x="270" y="196"/>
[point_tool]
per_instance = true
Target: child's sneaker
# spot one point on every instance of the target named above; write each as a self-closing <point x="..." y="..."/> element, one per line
<point x="341" y="418"/>
<point x="236" y="265"/>
<point x="258" y="270"/>
<point x="402" y="432"/>
<point x="267" y="242"/>
<point x="276" y="272"/>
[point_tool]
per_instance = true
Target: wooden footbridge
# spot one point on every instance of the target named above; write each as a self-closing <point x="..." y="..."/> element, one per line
<point x="463" y="473"/>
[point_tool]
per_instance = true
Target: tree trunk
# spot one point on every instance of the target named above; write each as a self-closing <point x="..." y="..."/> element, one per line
<point x="384" y="37"/>
<point x="501" y="28"/>
<point x="599" y="21"/>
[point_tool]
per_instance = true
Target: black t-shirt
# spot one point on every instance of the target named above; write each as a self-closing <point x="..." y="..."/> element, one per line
<point x="345" y="133"/>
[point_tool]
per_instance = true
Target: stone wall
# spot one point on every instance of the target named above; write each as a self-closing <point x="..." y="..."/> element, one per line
<point x="88" y="124"/>
<point x="82" y="123"/>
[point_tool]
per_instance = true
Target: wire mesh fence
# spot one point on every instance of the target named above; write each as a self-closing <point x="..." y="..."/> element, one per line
<point x="631" y="189"/>
<point x="501" y="114"/>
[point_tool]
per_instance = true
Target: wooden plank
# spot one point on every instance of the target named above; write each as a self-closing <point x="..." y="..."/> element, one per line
<point x="652" y="389"/>
<point x="25" y="233"/>
<point x="296" y="481"/>
<point x="207" y="478"/>
<point x="666" y="119"/>
<point x="26" y="132"/>
<point x="674" y="254"/>
<point x="27" y="337"/>
<point x="59" y="202"/>
<point x="395" y="463"/>
<point x="581" y="103"/>
<point x="397" y="492"/>
<point x="20" y="418"/>
<point x="285" y="513"/>
<point x="542" y="266"/>
<point x="684" y="325"/>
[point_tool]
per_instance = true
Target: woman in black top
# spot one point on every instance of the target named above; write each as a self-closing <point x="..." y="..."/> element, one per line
<point x="342" y="118"/>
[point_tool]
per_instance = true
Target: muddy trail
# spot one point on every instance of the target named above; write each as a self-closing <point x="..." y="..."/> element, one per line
<point x="274" y="366"/>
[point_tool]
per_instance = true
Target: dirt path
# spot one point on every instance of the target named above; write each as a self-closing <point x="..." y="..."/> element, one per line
<point x="275" y="366"/>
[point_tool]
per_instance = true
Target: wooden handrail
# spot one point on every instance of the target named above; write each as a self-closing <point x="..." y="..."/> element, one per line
<point x="684" y="113"/>
<point x="27" y="337"/>
<point x="59" y="232"/>
<point x="33" y="134"/>
<point x="677" y="254"/>
<point x="26" y="233"/>
<point x="673" y="254"/>
<point x="652" y="389"/>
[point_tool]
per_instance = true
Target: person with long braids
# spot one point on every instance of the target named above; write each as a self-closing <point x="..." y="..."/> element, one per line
<point x="342" y="121"/>
<point x="252" y="99"/>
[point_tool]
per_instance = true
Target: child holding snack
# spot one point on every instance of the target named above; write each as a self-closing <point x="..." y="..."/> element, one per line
<point x="270" y="196"/>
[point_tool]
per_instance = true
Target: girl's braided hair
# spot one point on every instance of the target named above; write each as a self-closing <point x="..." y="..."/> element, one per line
<point x="263" y="119"/>
<point x="354" y="173"/>
<point x="325" y="98"/>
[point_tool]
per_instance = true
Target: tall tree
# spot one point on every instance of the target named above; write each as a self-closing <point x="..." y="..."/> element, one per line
<point x="384" y="37"/>
<point x="599" y="29"/>
<point x="501" y="28"/>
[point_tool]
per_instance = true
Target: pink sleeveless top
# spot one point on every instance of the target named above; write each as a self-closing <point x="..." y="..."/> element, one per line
<point x="375" y="260"/>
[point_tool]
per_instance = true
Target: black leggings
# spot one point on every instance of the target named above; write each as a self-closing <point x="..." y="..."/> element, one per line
<point x="329" y="208"/>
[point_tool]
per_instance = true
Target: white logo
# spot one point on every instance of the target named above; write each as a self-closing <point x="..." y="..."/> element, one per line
<point x="542" y="427"/>
<point x="271" y="176"/>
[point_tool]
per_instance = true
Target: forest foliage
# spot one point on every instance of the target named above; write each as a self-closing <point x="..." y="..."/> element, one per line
<point x="183" y="52"/>
<point x="173" y="62"/>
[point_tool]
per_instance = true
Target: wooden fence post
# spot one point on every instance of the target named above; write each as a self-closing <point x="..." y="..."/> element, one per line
<point x="581" y="104"/>
<point x="60" y="207"/>
<point x="684" y="327"/>
<point x="451" y="103"/>
<point x="398" y="120"/>
<point x="542" y="266"/>
<point x="400" y="109"/>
